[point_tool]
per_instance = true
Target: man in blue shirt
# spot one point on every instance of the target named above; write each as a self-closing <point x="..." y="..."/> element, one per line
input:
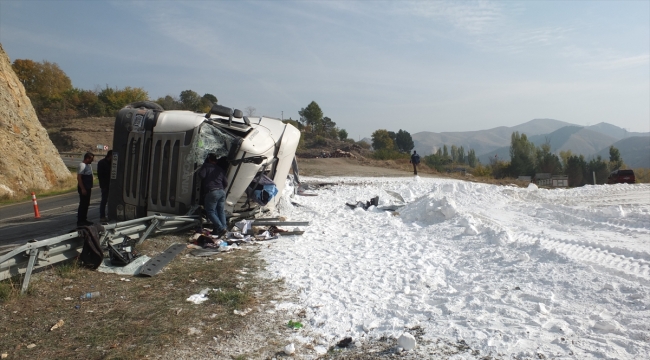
<point x="415" y="160"/>
<point x="213" y="184"/>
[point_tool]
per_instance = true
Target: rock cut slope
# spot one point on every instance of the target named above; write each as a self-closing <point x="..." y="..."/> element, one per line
<point x="28" y="159"/>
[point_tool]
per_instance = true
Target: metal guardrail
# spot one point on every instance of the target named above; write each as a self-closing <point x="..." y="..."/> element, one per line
<point x="24" y="259"/>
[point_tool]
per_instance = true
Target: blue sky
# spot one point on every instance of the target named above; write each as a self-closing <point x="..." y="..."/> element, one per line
<point x="418" y="66"/>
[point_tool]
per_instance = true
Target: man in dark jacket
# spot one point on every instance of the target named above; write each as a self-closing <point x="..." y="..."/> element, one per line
<point x="415" y="160"/>
<point x="213" y="184"/>
<point x="84" y="188"/>
<point x="104" y="176"/>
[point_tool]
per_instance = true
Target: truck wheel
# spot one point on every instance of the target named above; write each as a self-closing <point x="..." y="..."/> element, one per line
<point x="145" y="104"/>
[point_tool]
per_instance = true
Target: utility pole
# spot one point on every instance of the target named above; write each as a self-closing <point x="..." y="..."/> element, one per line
<point x="282" y="115"/>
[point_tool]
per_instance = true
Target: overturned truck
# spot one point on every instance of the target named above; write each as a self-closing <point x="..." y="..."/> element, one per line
<point x="157" y="154"/>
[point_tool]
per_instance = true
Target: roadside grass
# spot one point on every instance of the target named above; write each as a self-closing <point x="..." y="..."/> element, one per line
<point x="130" y="319"/>
<point x="66" y="186"/>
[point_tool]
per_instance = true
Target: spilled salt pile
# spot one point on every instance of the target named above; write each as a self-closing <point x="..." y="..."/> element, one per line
<point x="507" y="270"/>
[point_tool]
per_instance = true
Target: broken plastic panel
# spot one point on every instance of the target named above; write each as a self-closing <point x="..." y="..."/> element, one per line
<point x="211" y="140"/>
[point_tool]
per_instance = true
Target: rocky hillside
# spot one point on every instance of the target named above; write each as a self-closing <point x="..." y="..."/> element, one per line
<point x="81" y="135"/>
<point x="28" y="159"/>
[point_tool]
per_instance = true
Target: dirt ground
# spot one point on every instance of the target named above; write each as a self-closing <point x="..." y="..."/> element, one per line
<point x="355" y="167"/>
<point x="81" y="135"/>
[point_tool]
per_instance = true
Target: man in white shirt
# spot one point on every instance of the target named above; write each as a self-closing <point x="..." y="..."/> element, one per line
<point x="84" y="188"/>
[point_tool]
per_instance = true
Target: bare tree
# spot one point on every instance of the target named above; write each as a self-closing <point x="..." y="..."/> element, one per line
<point x="250" y="111"/>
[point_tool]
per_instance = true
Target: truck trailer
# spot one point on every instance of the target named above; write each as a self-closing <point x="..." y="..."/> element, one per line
<point x="157" y="155"/>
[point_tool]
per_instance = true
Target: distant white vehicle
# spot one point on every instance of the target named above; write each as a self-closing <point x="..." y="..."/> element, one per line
<point x="156" y="155"/>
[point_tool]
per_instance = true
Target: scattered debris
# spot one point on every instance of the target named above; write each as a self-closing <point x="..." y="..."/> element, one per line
<point x="341" y="153"/>
<point x="290" y="349"/>
<point x="31" y="346"/>
<point x="406" y="341"/>
<point x="375" y="202"/>
<point x="57" y="325"/>
<point x="344" y="343"/>
<point x="125" y="279"/>
<point x="156" y="264"/>
<point x="4" y="356"/>
<point x="133" y="268"/>
<point x="123" y="253"/>
<point x="68" y="299"/>
<point x="372" y="202"/>
<point x="294" y="324"/>
<point x="395" y="195"/>
<point x="197" y="298"/>
<point x="243" y="312"/>
<point x="193" y="331"/>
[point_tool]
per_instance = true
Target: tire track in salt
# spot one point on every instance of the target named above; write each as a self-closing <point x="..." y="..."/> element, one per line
<point x="621" y="261"/>
<point x="638" y="194"/>
<point x="617" y="225"/>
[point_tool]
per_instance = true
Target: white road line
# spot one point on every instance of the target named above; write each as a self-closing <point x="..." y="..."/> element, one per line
<point x="46" y="211"/>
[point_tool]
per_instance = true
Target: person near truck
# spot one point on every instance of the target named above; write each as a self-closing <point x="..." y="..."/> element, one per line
<point x="214" y="185"/>
<point x="84" y="188"/>
<point x="415" y="160"/>
<point x="104" y="176"/>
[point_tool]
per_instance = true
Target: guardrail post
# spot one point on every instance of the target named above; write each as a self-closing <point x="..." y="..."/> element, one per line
<point x="147" y="232"/>
<point x="33" y="253"/>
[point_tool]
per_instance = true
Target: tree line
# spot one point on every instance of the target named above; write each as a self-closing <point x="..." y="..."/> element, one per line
<point x="53" y="97"/>
<point x="391" y="145"/>
<point x="317" y="129"/>
<point x="526" y="159"/>
<point x="445" y="157"/>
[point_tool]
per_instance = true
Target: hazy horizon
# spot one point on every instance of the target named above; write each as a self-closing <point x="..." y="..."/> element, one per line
<point x="438" y="66"/>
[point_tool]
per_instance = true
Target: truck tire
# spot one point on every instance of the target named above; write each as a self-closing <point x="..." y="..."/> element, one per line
<point x="145" y="104"/>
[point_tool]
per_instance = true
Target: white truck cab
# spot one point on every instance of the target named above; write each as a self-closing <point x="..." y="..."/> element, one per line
<point x="157" y="154"/>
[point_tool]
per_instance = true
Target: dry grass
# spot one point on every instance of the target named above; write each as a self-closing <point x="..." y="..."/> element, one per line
<point x="62" y="186"/>
<point x="642" y="175"/>
<point x="132" y="319"/>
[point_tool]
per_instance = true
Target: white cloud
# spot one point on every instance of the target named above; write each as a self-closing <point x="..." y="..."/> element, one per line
<point x="621" y="62"/>
<point x="473" y="17"/>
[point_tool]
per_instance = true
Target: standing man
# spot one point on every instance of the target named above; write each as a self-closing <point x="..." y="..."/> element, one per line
<point x="84" y="188"/>
<point x="415" y="160"/>
<point x="104" y="176"/>
<point x="213" y="184"/>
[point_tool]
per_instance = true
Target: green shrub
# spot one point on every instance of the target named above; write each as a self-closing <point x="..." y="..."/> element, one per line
<point x="386" y="154"/>
<point x="319" y="141"/>
<point x="230" y="298"/>
<point x="482" y="171"/>
<point x="6" y="289"/>
<point x="68" y="270"/>
<point x="363" y="144"/>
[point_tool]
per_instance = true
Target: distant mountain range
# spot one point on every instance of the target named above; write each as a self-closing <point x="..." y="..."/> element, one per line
<point x="589" y="141"/>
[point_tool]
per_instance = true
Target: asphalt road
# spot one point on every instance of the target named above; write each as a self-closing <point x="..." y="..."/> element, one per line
<point x="58" y="217"/>
<point x="73" y="161"/>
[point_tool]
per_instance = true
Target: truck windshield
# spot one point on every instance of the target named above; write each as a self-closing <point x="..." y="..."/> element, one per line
<point x="211" y="139"/>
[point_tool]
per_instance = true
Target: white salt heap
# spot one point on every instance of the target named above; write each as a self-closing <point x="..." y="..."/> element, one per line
<point x="512" y="272"/>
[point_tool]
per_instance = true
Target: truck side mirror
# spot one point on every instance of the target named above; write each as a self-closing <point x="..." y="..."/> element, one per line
<point x="219" y="110"/>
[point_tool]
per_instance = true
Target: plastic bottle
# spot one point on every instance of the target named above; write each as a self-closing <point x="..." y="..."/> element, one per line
<point x="223" y="246"/>
<point x="90" y="295"/>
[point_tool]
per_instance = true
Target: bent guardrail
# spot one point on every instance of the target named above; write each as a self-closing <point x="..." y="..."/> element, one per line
<point x="24" y="259"/>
